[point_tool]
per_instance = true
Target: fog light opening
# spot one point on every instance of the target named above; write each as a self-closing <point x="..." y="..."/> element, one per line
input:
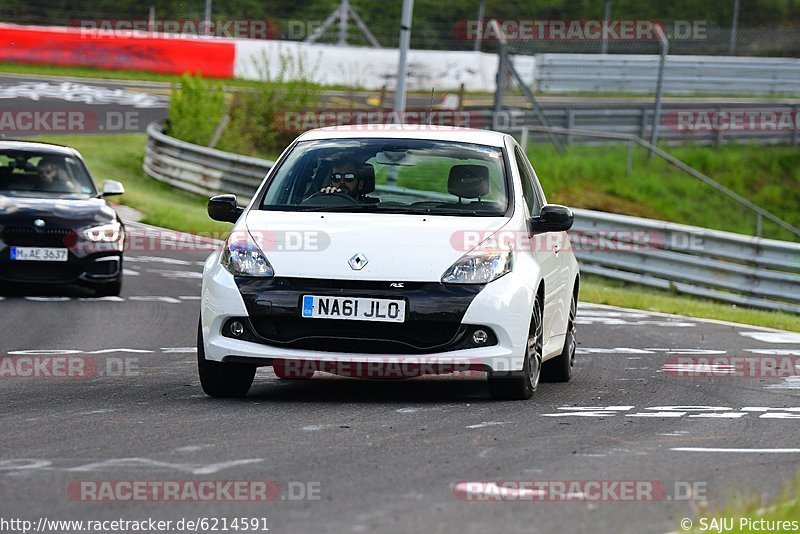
<point x="237" y="328"/>
<point x="479" y="337"/>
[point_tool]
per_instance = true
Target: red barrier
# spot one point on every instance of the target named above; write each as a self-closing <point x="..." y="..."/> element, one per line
<point x="105" y="50"/>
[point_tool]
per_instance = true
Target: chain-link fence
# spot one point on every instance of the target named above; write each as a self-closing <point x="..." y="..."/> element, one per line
<point x="765" y="27"/>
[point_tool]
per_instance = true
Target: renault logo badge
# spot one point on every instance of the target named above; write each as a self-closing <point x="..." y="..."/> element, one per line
<point x="358" y="261"/>
<point x="38" y="223"/>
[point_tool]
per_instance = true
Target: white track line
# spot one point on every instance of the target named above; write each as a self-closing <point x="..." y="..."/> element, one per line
<point x="719" y="449"/>
<point x="676" y="316"/>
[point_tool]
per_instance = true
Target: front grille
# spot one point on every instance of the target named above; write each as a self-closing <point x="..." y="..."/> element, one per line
<point x="31" y="237"/>
<point x="433" y="315"/>
<point x="358" y="336"/>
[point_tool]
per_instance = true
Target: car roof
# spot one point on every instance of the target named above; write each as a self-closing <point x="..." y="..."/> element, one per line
<point x="37" y="147"/>
<point x="407" y="131"/>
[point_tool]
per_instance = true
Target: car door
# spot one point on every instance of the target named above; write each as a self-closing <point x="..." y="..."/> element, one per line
<point x="545" y="249"/>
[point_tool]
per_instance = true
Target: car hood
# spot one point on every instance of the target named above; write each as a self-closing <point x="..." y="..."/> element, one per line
<point x="412" y="248"/>
<point x="56" y="211"/>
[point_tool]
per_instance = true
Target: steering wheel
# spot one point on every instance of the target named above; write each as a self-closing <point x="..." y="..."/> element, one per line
<point x="329" y="199"/>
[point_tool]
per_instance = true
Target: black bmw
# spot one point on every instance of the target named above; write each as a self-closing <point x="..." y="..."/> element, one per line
<point x="55" y="225"/>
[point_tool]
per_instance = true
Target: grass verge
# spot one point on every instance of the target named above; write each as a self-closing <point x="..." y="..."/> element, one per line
<point x="743" y="515"/>
<point x="594" y="177"/>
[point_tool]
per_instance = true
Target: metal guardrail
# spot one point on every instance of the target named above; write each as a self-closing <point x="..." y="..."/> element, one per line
<point x="637" y="120"/>
<point x="198" y="169"/>
<point x="749" y="271"/>
<point x="730" y="267"/>
<point x="618" y="73"/>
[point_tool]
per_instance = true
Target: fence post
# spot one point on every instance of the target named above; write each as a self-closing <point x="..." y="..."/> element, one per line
<point x="759" y="221"/>
<point x="501" y="81"/>
<point x="523" y="139"/>
<point x="629" y="162"/>
<point x="659" y="86"/>
<point x="382" y="97"/>
<point x="570" y="123"/>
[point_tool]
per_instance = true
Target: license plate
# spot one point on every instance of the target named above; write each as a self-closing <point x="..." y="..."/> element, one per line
<point x="38" y="254"/>
<point x="357" y="309"/>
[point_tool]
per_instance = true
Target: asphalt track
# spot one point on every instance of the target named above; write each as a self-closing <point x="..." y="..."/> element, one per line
<point x="381" y="456"/>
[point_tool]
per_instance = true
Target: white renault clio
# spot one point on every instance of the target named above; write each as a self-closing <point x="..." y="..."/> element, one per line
<point x="430" y="248"/>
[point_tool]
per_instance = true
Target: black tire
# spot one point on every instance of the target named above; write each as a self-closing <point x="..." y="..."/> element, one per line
<point x="109" y="289"/>
<point x="559" y="369"/>
<point x="520" y="385"/>
<point x="220" y="379"/>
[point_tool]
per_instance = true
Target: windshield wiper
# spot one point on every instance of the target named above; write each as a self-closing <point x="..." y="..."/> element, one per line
<point x="410" y="210"/>
<point x="452" y="211"/>
<point x="349" y="207"/>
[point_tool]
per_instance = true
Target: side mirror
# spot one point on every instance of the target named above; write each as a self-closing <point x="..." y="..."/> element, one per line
<point x="552" y="218"/>
<point x="112" y="187"/>
<point x="224" y="208"/>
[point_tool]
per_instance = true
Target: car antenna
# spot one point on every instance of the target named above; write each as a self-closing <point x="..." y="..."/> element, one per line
<point x="430" y="107"/>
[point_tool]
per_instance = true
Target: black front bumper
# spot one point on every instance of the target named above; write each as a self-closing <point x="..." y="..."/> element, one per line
<point x="89" y="270"/>
<point x="434" y="312"/>
<point x="84" y="265"/>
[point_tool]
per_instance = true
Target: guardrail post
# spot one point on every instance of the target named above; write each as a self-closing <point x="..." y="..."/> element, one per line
<point x="629" y="162"/>
<point x="501" y="79"/>
<point x="759" y="221"/>
<point x="382" y="97"/>
<point x="570" y="124"/>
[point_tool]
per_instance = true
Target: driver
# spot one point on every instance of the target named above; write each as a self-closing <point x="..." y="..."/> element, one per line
<point x="344" y="179"/>
<point x="52" y="177"/>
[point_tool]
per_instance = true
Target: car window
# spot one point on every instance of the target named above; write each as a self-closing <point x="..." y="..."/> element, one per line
<point x="528" y="192"/>
<point x="390" y="176"/>
<point x="30" y="173"/>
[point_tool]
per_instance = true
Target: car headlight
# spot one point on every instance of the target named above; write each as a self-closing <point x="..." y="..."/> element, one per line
<point x="479" y="267"/>
<point x="242" y="257"/>
<point x="106" y="233"/>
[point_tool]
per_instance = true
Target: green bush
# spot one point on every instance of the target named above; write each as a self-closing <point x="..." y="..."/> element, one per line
<point x="256" y="124"/>
<point x="255" y="115"/>
<point x="195" y="109"/>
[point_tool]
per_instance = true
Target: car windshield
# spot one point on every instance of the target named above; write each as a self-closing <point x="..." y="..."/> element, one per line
<point x="391" y="176"/>
<point x="37" y="174"/>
